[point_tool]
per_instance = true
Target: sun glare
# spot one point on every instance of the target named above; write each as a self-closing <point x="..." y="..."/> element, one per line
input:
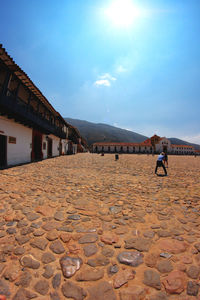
<point x="122" y="13"/>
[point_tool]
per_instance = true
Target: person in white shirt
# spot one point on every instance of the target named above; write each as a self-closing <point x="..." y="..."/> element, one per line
<point x="159" y="163"/>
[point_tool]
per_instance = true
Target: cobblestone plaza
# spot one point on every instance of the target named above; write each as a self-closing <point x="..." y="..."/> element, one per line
<point x="89" y="227"/>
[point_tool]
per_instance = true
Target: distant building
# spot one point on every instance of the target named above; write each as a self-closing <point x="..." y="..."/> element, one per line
<point x="30" y="128"/>
<point x="76" y="144"/>
<point x="155" y="144"/>
<point x="197" y="152"/>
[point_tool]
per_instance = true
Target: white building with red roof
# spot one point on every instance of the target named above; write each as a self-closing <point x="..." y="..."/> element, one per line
<point x="30" y="127"/>
<point x="155" y="144"/>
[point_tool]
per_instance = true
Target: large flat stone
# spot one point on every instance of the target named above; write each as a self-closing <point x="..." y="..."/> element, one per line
<point x="101" y="291"/>
<point x="172" y="246"/>
<point x="89" y="274"/>
<point x="175" y="282"/>
<point x="71" y="290"/>
<point x="140" y="244"/>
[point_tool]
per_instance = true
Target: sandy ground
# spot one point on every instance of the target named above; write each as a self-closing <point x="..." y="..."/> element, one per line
<point x="89" y="227"/>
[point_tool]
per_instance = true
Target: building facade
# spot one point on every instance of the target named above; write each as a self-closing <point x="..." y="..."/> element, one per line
<point x="155" y="144"/>
<point x="30" y="128"/>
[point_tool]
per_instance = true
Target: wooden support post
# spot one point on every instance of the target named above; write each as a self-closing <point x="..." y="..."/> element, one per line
<point x="6" y="82"/>
<point x="38" y="105"/>
<point x="29" y="101"/>
<point x="17" y="90"/>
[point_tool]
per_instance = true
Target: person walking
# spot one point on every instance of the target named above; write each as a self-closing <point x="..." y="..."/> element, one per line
<point x="160" y="163"/>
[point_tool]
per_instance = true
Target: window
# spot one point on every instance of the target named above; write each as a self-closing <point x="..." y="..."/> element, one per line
<point x="12" y="140"/>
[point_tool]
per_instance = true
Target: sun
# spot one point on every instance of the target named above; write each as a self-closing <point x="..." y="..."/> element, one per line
<point x="122" y="13"/>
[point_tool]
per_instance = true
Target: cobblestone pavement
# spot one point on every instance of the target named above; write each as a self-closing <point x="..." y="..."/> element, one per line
<point x="89" y="227"/>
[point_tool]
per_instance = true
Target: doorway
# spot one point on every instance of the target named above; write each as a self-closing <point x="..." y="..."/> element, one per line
<point x="36" y="146"/>
<point x="49" y="148"/>
<point x="3" y="151"/>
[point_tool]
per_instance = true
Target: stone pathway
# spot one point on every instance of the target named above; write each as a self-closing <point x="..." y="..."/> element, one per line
<point x="89" y="227"/>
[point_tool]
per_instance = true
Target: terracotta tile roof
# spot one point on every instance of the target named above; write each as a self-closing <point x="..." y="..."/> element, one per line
<point x="182" y="146"/>
<point x="147" y="141"/>
<point x="155" y="136"/>
<point x="116" y="144"/>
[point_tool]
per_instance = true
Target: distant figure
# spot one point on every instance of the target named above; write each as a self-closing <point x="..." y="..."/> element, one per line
<point x="159" y="163"/>
<point x="116" y="156"/>
<point x="166" y="160"/>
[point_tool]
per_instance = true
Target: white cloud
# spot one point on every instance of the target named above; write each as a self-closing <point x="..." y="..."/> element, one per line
<point x="105" y="80"/>
<point x="107" y="76"/>
<point x="192" y="139"/>
<point x="121" y="69"/>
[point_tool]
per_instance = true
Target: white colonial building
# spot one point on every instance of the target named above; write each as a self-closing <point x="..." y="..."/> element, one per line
<point x="30" y="128"/>
<point x="155" y="144"/>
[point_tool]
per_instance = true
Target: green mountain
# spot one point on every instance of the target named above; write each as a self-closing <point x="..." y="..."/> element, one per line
<point x="176" y="141"/>
<point x="93" y="133"/>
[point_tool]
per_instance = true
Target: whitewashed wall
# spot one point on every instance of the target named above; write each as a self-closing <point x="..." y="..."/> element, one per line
<point x="135" y="149"/>
<point x="21" y="151"/>
<point x="145" y="149"/>
<point x="64" y="146"/>
<point x="182" y="150"/>
<point x="162" y="143"/>
<point x="74" y="148"/>
<point x="55" y="145"/>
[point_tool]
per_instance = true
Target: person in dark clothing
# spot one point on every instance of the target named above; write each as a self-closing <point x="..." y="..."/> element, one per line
<point x="159" y="163"/>
<point x="165" y="160"/>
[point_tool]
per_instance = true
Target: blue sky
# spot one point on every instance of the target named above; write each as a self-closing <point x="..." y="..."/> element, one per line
<point x="143" y="75"/>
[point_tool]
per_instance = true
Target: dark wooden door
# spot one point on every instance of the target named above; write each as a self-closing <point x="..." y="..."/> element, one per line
<point x="3" y="151"/>
<point x="36" y="145"/>
<point x="49" y="149"/>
